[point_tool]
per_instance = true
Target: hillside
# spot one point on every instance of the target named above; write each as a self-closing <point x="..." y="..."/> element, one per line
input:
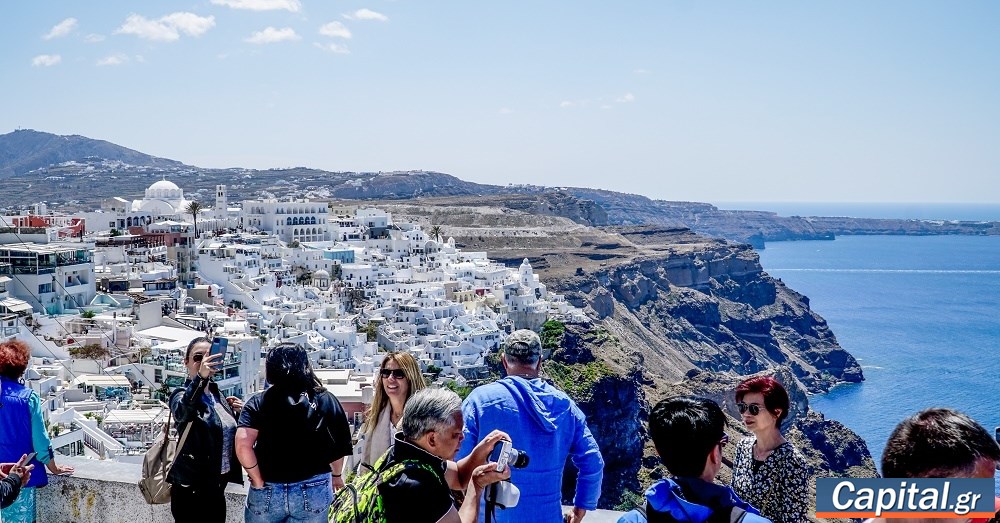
<point x="671" y="312"/>
<point x="26" y="150"/>
<point x="75" y="173"/>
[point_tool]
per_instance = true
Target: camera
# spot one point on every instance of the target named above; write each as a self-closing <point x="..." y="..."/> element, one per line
<point x="505" y="454"/>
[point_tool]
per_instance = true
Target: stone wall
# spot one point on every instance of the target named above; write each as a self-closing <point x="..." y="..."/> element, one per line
<point x="108" y="492"/>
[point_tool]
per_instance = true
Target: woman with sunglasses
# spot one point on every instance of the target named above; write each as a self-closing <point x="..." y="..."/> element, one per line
<point x="399" y="378"/>
<point x="768" y="471"/>
<point x="207" y="462"/>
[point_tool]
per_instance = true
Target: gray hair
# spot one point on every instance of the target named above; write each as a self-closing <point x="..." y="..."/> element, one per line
<point x="428" y="410"/>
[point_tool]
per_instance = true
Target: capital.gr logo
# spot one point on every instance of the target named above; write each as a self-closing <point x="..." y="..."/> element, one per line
<point x="904" y="498"/>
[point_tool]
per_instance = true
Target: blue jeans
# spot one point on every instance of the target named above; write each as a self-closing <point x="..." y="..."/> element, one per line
<point x="307" y="501"/>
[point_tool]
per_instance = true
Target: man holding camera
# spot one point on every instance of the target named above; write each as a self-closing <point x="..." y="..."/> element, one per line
<point x="546" y="425"/>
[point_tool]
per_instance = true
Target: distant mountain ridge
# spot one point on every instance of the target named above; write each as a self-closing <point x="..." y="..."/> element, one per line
<point x="39" y="167"/>
<point x="25" y="150"/>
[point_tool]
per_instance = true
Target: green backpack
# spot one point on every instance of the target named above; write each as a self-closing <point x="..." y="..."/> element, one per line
<point x="360" y="502"/>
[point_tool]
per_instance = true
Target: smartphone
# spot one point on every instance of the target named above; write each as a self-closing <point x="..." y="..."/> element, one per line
<point x="28" y="459"/>
<point x="219" y="346"/>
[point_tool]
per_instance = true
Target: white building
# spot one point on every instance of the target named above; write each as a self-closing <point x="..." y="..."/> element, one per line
<point x="302" y="221"/>
<point x="51" y="277"/>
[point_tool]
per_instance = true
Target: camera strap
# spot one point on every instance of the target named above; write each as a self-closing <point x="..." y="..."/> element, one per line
<point x="491" y="502"/>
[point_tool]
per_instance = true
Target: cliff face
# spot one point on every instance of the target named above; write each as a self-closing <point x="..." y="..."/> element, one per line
<point x="716" y="309"/>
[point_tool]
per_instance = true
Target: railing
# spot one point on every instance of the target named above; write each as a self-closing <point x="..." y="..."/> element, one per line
<point x="98" y="440"/>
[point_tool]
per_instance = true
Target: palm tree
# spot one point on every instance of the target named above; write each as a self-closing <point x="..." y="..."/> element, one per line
<point x="194" y="209"/>
<point x="436" y="232"/>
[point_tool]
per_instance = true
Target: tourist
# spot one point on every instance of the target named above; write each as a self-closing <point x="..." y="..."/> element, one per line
<point x="413" y="486"/>
<point x="398" y="379"/>
<point x="23" y="430"/>
<point x="546" y="424"/>
<point x="939" y="443"/>
<point x="768" y="471"/>
<point x="292" y="440"/>
<point x="207" y="462"/>
<point x="689" y="435"/>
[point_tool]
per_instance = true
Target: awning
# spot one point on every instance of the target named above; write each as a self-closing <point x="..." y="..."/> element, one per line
<point x="15" y="305"/>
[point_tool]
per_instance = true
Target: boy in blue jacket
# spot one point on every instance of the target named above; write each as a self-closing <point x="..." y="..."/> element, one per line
<point x="689" y="435"/>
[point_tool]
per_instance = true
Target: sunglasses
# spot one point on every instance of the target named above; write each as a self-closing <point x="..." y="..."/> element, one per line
<point x="752" y="407"/>
<point x="197" y="357"/>
<point x="395" y="373"/>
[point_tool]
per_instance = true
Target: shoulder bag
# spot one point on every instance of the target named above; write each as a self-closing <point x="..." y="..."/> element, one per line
<point x="157" y="463"/>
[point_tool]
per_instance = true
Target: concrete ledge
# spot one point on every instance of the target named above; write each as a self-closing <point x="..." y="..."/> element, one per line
<point x="108" y="492"/>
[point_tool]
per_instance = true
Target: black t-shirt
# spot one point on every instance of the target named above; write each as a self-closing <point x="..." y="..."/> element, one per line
<point x="417" y="495"/>
<point x="298" y="436"/>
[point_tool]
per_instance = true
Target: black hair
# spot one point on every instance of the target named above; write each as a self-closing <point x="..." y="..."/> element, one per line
<point x="199" y="339"/>
<point x="287" y="367"/>
<point x="685" y="430"/>
<point x="937" y="443"/>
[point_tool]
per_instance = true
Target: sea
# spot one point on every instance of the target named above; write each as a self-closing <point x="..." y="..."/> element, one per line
<point x="920" y="313"/>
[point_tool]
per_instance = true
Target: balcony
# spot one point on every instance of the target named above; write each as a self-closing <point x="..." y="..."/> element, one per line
<point x="108" y="491"/>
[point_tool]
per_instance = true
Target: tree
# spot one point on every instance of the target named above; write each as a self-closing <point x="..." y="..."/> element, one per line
<point x="436" y="233"/>
<point x="194" y="209"/>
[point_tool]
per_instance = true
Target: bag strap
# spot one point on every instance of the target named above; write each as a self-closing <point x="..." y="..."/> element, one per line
<point x="180" y="443"/>
<point x="737" y="514"/>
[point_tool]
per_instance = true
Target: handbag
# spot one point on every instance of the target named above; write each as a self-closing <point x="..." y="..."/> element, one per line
<point x="156" y="465"/>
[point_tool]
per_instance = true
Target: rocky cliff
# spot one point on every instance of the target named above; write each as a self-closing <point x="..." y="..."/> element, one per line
<point x="671" y="312"/>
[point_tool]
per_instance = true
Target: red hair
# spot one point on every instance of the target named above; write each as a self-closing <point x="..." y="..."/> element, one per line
<point x="775" y="395"/>
<point x="14" y="356"/>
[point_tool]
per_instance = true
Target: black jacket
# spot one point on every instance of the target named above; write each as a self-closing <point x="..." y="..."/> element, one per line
<point x="200" y="460"/>
<point x="10" y="487"/>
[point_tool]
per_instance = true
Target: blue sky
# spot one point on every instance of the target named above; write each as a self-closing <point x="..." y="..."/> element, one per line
<point x="707" y="101"/>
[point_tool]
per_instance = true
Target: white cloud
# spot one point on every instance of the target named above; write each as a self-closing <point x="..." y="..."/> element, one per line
<point x="366" y="14"/>
<point x="335" y="30"/>
<point x="505" y="110"/>
<point x="566" y="103"/>
<point x="605" y="107"/>
<point x="333" y="48"/>
<point x="190" y="23"/>
<point x="61" y="29"/>
<point x="271" y="35"/>
<point x="167" y="28"/>
<point x="46" y="60"/>
<point x="115" y="59"/>
<point x="642" y="71"/>
<point x="93" y="38"/>
<point x="629" y="97"/>
<point x="262" y="5"/>
<point x="139" y="58"/>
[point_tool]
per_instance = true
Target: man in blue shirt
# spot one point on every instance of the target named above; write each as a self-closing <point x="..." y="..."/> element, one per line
<point x="545" y="423"/>
<point x="689" y="434"/>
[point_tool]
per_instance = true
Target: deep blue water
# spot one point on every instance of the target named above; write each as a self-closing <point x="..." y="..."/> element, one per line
<point x="921" y="315"/>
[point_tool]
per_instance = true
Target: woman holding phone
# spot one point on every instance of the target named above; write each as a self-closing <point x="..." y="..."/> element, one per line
<point x="292" y="441"/>
<point x="22" y="430"/>
<point x="207" y="462"/>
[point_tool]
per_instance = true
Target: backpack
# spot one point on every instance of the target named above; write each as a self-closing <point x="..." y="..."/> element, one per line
<point x="360" y="501"/>
<point x="733" y="515"/>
